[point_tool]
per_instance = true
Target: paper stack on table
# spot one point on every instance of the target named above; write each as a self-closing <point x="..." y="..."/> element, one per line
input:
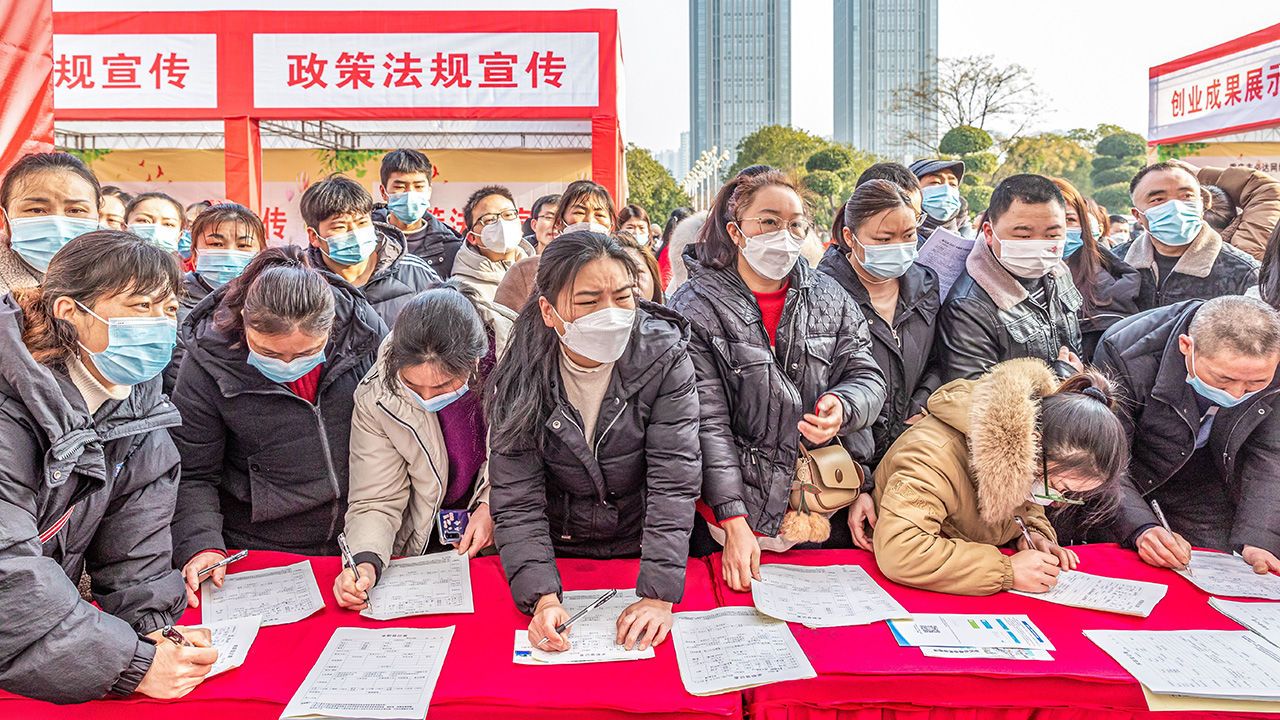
<point x="278" y="595"/>
<point x="437" y="584"/>
<point x="232" y="639"/>
<point x="1262" y="618"/>
<point x="735" y="648"/>
<point x="1229" y="575"/>
<point x="592" y="638"/>
<point x="1095" y="592"/>
<point x="387" y="674"/>
<point x="986" y="653"/>
<point x="822" y="597"/>
<point x="970" y="631"/>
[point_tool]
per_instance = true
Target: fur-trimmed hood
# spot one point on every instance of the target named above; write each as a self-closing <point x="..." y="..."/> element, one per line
<point x="998" y="413"/>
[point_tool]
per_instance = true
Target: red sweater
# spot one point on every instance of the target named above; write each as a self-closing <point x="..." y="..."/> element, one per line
<point x="771" y="309"/>
<point x="307" y="387"/>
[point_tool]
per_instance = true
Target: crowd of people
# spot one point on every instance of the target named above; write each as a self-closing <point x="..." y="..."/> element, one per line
<point x="588" y="382"/>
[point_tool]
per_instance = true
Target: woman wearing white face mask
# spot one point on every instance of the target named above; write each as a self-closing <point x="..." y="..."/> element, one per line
<point x="783" y="358"/>
<point x="874" y="261"/>
<point x="494" y="242"/>
<point x="594" y="439"/>
<point x="48" y="199"/>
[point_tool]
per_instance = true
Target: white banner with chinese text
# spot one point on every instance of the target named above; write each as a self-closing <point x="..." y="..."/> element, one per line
<point x="1226" y="93"/>
<point x="135" y="71"/>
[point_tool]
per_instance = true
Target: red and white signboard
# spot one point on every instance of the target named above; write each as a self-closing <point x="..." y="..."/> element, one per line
<point x="1229" y="88"/>
<point x="135" y="71"/>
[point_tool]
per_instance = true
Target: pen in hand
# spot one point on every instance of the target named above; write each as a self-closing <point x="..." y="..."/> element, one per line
<point x="171" y="634"/>
<point x="1155" y="506"/>
<point x="222" y="563"/>
<point x="1026" y="534"/>
<point x="595" y="604"/>
<point x="349" y="561"/>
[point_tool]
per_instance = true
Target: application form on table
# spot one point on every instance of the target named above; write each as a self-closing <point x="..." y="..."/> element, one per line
<point x="382" y="674"/>
<point x="1229" y="575"/>
<point x="1230" y="664"/>
<point x="279" y="595"/>
<point x="970" y="631"/>
<point x="1095" y="592"/>
<point x="592" y="638"/>
<point x="821" y="597"/>
<point x="734" y="648"/>
<point x="437" y="584"/>
<point x="232" y="639"/>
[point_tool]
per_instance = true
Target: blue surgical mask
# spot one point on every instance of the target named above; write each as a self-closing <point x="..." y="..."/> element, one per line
<point x="277" y="370"/>
<point x="1175" y="222"/>
<point x="37" y="239"/>
<point x="1074" y="241"/>
<point x="940" y="201"/>
<point x="184" y="245"/>
<point x="888" y="261"/>
<point x="439" y="402"/>
<point x="220" y="267"/>
<point x="1217" y="396"/>
<point x="162" y="236"/>
<point x="409" y="206"/>
<point x="138" y="348"/>
<point x="352" y="248"/>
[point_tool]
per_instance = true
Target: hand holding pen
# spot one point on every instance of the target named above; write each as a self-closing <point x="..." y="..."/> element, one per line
<point x="359" y="585"/>
<point x="1163" y="547"/>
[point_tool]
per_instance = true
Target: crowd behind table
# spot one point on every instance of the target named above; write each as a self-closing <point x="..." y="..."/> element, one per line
<point x="582" y="385"/>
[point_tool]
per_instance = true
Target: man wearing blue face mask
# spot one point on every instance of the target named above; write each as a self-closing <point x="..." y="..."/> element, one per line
<point x="940" y="196"/>
<point x="1201" y="393"/>
<point x="406" y="194"/>
<point x="1178" y="255"/>
<point x="373" y="257"/>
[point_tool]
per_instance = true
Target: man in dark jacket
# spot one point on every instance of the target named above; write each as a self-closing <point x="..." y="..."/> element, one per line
<point x="1178" y="255"/>
<point x="1200" y="396"/>
<point x="370" y="256"/>
<point x="941" y="200"/>
<point x="1015" y="297"/>
<point x="406" y="194"/>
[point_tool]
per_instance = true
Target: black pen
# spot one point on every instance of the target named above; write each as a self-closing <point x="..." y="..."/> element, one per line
<point x="597" y="603"/>
<point x="222" y="563"/>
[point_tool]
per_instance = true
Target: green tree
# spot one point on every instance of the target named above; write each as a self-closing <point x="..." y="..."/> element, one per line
<point x="974" y="91"/>
<point x="1122" y="144"/>
<point x="1178" y="151"/>
<point x="827" y="188"/>
<point x="1051" y="154"/>
<point x="785" y="148"/>
<point x="1121" y="155"/>
<point x="832" y="158"/>
<point x="978" y="197"/>
<point x="345" y="161"/>
<point x="1115" y="198"/>
<point x="965" y="140"/>
<point x="651" y="186"/>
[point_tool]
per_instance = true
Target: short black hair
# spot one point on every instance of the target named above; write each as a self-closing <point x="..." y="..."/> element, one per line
<point x="334" y="195"/>
<point x="553" y="199"/>
<point x="896" y="173"/>
<point x="36" y="163"/>
<point x="156" y="195"/>
<point x="1118" y="218"/>
<point x="479" y="195"/>
<point x="404" y="160"/>
<point x="117" y="193"/>
<point x="1028" y="188"/>
<point x="1167" y="166"/>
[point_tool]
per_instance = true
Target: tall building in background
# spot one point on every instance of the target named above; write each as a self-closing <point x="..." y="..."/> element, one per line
<point x="881" y="47"/>
<point x="739" y="70"/>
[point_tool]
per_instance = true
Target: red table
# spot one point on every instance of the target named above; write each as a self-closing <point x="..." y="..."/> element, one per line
<point x="479" y="681"/>
<point x="864" y="675"/>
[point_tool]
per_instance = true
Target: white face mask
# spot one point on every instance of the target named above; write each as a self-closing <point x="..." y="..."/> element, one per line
<point x="601" y="336"/>
<point x="502" y="236"/>
<point x="594" y="227"/>
<point x="772" y="254"/>
<point x="1029" y="259"/>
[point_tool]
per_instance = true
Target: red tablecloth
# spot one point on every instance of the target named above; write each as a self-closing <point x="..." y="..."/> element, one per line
<point x="479" y="681"/>
<point x="864" y="675"/>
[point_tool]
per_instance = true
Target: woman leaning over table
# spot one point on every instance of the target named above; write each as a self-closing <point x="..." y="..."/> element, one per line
<point x="594" y="442"/>
<point x="419" y="443"/>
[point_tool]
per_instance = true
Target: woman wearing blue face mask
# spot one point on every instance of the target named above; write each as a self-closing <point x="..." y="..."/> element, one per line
<point x="158" y="219"/>
<point x="88" y="476"/>
<point x="419" y="443"/>
<point x="273" y="359"/>
<point x="874" y="261"/>
<point x="48" y="199"/>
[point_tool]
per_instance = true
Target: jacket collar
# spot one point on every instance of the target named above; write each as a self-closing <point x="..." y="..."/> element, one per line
<point x="15" y="273"/>
<point x="391" y="247"/>
<point x="913" y="286"/>
<point x="999" y="283"/>
<point x="726" y="288"/>
<point x="1197" y="261"/>
<point x="469" y="263"/>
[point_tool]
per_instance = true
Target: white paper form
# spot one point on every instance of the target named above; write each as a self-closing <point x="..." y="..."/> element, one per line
<point x="385" y="673"/>
<point x="1262" y="618"/>
<point x="592" y="637"/>
<point x="945" y="252"/>
<point x="437" y="584"/>
<point x="280" y="595"/>
<point x="735" y="648"/>
<point x="1095" y="592"/>
<point x="986" y="653"/>
<point x="970" y="631"/>
<point x="822" y="597"/>
<point x="232" y="639"/>
<point x="1229" y="575"/>
<point x="1200" y="663"/>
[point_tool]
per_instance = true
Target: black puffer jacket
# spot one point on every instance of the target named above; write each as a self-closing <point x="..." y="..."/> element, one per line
<point x="1116" y="287"/>
<point x="81" y="492"/>
<point x="632" y="492"/>
<point x="1160" y="414"/>
<point x="903" y="349"/>
<point x="261" y="467"/>
<point x="194" y="289"/>
<point x="434" y="242"/>
<point x="754" y="396"/>
<point x="1208" y="269"/>
<point x="399" y="276"/>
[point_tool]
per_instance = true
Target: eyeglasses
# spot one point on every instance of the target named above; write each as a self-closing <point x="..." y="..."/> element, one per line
<point x="798" y="229"/>
<point x="1049" y="494"/>
<point x="547" y="216"/>
<point x="491" y="218"/>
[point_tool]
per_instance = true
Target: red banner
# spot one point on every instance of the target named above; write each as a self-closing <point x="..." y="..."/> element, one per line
<point x="26" y="37"/>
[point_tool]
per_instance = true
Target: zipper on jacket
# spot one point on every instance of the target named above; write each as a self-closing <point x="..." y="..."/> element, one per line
<point x="439" y="481"/>
<point x="1227" y="455"/>
<point x="328" y="462"/>
<point x="596" y="450"/>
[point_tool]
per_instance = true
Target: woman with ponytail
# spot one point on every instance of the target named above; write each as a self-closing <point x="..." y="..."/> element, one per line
<point x="593" y="452"/>
<point x="265" y="390"/>
<point x="88" y="476"/>
<point x="990" y="454"/>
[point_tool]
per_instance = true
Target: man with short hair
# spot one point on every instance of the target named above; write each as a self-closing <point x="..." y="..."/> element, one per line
<point x="940" y="197"/>
<point x="1179" y="256"/>
<point x="1015" y="298"/>
<point x="1119" y="230"/>
<point x="406" y="194"/>
<point x="542" y="221"/>
<point x="1200" y="391"/>
<point x="901" y="176"/>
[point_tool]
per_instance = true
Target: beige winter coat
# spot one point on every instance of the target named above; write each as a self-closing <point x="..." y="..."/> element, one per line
<point x="948" y="490"/>
<point x="1257" y="194"/>
<point x="399" y="465"/>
